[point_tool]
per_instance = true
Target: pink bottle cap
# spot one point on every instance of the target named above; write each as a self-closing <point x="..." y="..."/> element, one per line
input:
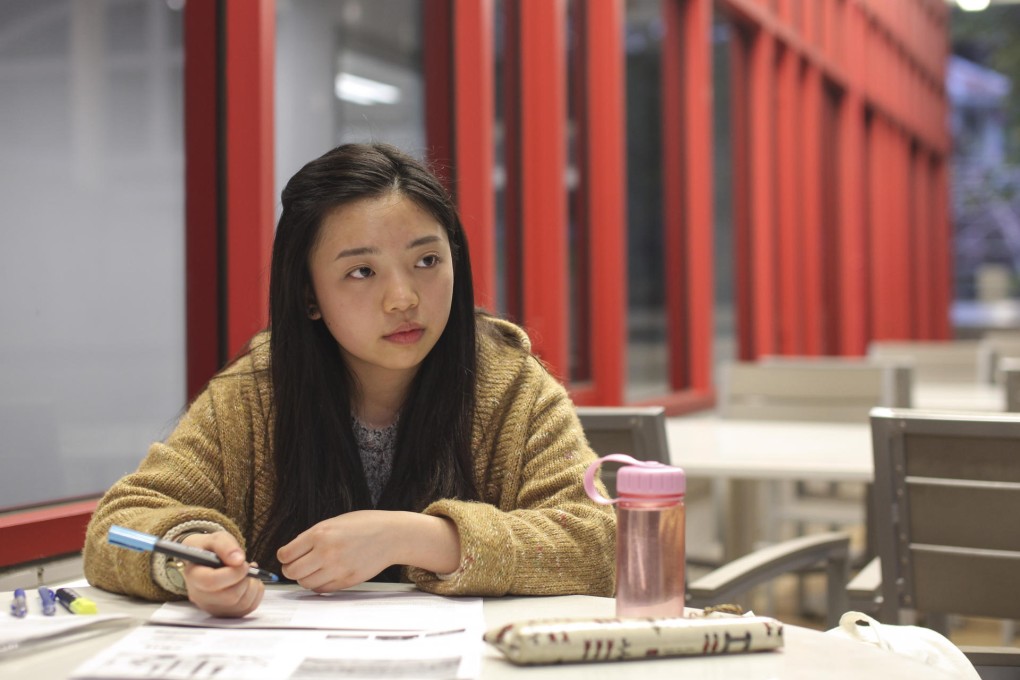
<point x="660" y="480"/>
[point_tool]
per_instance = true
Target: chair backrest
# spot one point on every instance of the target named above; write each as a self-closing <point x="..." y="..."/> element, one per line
<point x="933" y="360"/>
<point x="1006" y="334"/>
<point x="947" y="499"/>
<point x="992" y="351"/>
<point x="839" y="390"/>
<point x="1010" y="372"/>
<point x="639" y="431"/>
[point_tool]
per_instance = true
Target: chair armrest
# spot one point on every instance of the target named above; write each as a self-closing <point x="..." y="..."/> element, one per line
<point x="765" y="564"/>
<point x="992" y="656"/>
<point x="864" y="592"/>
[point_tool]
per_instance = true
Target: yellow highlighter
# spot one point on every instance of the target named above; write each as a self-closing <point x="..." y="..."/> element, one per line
<point x="75" y="603"/>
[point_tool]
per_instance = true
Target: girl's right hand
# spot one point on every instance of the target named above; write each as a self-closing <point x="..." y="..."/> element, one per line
<point x="226" y="591"/>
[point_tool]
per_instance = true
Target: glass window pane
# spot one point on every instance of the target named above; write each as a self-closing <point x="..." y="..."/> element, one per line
<point x="347" y="71"/>
<point x="509" y="293"/>
<point x="648" y="356"/>
<point x="576" y="182"/>
<point x="92" y="357"/>
<point x="725" y="343"/>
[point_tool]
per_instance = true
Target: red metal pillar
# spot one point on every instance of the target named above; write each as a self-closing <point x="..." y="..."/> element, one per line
<point x="741" y="191"/>
<point x="890" y="251"/>
<point x="474" y="114"/>
<point x="698" y="161"/>
<point x="761" y="107"/>
<point x="852" y="234"/>
<point x="606" y="172"/>
<point x="204" y="334"/>
<point x="543" y="111"/>
<point x="879" y="212"/>
<point x="809" y="19"/>
<point x="902" y="259"/>
<point x="815" y="183"/>
<point x="248" y="74"/>
<point x="438" y="48"/>
<point x="673" y="189"/>
<point x="789" y="192"/>
<point x="686" y="87"/>
<point x="923" y="286"/>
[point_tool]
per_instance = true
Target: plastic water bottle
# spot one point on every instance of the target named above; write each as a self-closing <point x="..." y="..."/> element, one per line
<point x="650" y="525"/>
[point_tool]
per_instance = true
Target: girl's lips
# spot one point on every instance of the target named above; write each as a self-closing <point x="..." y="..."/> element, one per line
<point x="406" y="337"/>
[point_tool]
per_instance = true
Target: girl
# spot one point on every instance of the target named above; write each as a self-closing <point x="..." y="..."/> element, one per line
<point x="381" y="429"/>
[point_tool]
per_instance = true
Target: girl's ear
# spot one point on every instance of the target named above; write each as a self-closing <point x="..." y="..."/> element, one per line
<point x="312" y="308"/>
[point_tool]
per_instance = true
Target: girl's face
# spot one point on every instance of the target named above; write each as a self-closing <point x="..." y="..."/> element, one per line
<point x="382" y="277"/>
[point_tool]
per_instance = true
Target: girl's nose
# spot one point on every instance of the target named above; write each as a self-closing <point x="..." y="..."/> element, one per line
<point x="400" y="295"/>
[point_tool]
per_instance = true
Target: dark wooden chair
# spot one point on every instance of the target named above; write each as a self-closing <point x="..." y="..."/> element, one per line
<point x="947" y="499"/>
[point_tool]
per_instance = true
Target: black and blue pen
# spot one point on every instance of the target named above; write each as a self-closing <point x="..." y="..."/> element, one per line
<point x="123" y="537"/>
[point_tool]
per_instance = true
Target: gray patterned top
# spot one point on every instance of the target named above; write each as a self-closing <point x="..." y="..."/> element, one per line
<point x="377" y="448"/>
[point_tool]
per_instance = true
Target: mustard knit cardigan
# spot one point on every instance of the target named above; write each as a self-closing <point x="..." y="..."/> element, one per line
<point x="535" y="532"/>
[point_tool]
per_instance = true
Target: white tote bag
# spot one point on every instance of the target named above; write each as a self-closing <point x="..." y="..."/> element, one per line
<point x="923" y="644"/>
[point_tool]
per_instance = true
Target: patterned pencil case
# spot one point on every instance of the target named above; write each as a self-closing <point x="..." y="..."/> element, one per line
<point x="580" y="640"/>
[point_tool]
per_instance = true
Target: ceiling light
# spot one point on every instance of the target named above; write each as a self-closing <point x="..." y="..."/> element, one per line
<point x="364" y="91"/>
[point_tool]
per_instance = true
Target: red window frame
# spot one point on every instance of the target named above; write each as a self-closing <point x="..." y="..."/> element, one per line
<point x="892" y="156"/>
<point x="229" y="223"/>
<point x="863" y="77"/>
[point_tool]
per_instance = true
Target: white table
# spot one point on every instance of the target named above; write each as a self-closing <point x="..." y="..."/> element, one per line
<point x="744" y="452"/>
<point x="706" y="445"/>
<point x="807" y="654"/>
<point x="974" y="396"/>
<point x="710" y="446"/>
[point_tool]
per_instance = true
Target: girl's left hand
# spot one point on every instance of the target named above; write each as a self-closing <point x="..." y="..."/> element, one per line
<point x="349" y="549"/>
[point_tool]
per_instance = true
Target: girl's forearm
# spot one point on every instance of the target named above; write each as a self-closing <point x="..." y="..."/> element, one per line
<point x="427" y="542"/>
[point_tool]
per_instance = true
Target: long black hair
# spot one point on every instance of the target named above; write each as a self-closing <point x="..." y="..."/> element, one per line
<point x="317" y="464"/>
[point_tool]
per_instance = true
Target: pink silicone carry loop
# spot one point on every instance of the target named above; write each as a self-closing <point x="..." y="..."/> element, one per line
<point x="589" y="475"/>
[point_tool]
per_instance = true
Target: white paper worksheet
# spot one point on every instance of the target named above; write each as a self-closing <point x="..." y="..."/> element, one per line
<point x="175" y="653"/>
<point x="298" y="634"/>
<point x="344" y="610"/>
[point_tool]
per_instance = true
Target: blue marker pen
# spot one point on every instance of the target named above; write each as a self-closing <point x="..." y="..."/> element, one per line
<point x="19" y="607"/>
<point x="49" y="601"/>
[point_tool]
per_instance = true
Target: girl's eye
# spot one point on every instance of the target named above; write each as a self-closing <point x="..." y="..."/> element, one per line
<point x="429" y="261"/>
<point x="360" y="273"/>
